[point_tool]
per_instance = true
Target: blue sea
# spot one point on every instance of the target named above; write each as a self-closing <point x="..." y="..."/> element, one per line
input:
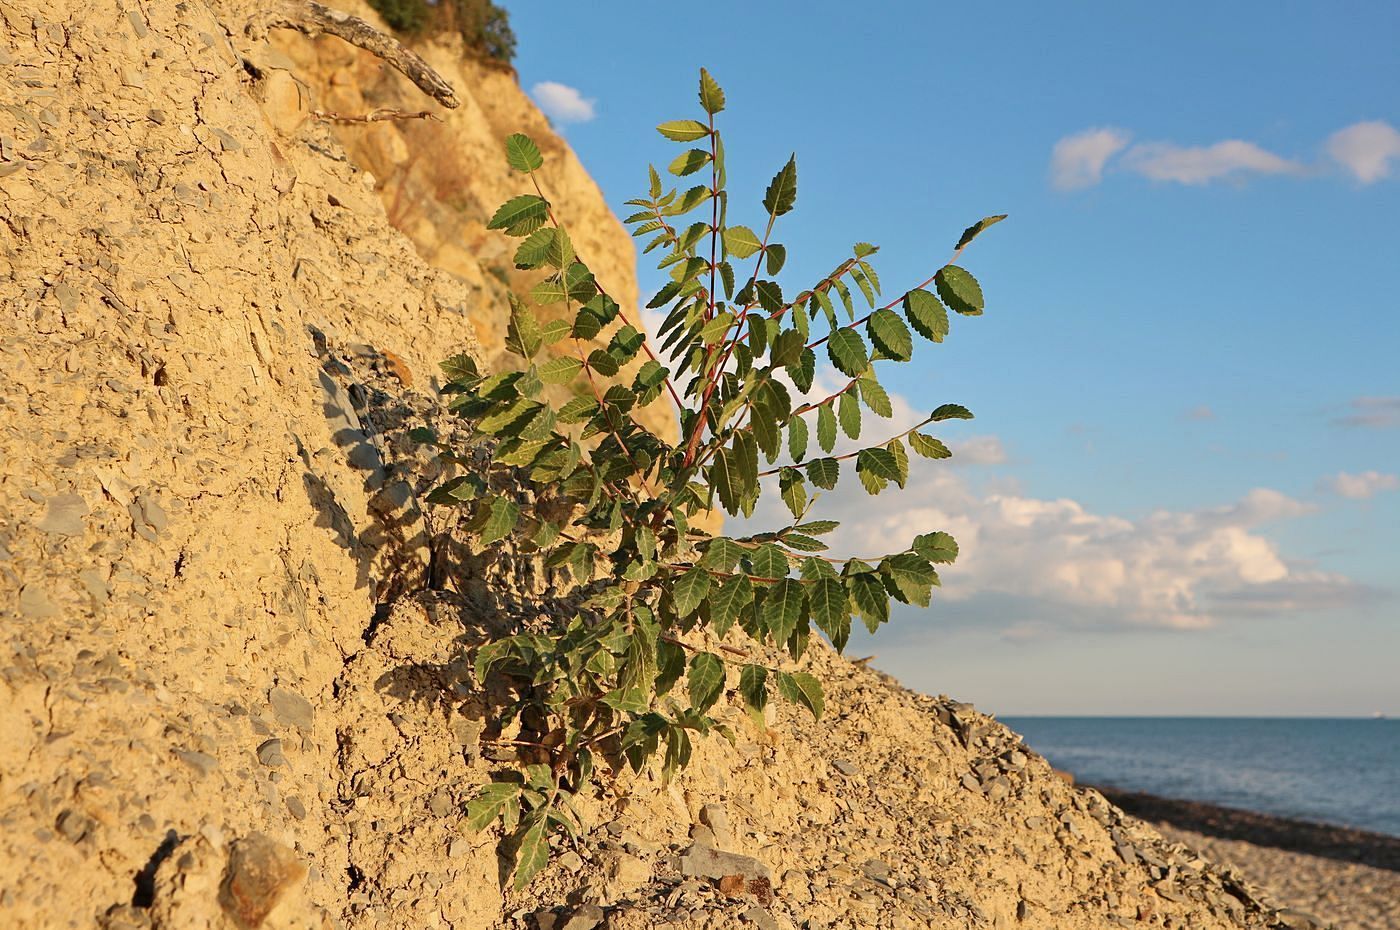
<point x="1337" y="771"/>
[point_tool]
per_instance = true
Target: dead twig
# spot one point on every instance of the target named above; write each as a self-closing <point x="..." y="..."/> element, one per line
<point x="313" y="19"/>
<point x="374" y="116"/>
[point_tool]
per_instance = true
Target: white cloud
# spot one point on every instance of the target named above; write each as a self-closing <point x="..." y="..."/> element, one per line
<point x="1078" y="160"/>
<point x="1166" y="161"/>
<point x="1366" y="484"/>
<point x="1032" y="566"/>
<point x="978" y="450"/>
<point x="562" y="103"/>
<point x="1372" y="413"/>
<point x="1201" y="412"/>
<point x="1365" y="149"/>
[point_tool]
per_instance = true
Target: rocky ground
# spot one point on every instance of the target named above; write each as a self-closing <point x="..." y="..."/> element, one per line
<point x="231" y="656"/>
<point x="1340" y="877"/>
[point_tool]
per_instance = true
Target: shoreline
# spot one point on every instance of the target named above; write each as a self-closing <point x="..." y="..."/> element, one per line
<point x="1328" y="841"/>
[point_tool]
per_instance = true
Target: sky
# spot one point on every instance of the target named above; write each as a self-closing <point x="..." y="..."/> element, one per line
<point x="1181" y="491"/>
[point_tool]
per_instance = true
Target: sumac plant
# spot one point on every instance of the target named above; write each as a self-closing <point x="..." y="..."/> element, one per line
<point x="635" y="673"/>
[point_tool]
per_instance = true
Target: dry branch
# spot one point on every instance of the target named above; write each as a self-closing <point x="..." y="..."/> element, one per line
<point x="313" y="19"/>
<point x="373" y="116"/>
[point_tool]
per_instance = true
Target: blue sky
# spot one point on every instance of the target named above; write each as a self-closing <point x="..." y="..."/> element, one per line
<point x="1180" y="494"/>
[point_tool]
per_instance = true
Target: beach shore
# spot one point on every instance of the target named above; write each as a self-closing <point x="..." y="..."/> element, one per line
<point x="1327" y="876"/>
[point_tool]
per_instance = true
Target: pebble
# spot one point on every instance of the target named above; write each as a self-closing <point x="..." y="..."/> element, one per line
<point x="201" y="762"/>
<point x="707" y="862"/>
<point x="260" y="872"/>
<point x="291" y="708"/>
<point x="270" y="753"/>
<point x="64" y="516"/>
<point x="844" y="767"/>
<point x="585" y="917"/>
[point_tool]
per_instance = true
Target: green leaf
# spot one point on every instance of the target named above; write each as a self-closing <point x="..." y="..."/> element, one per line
<point x="460" y="367"/>
<point x="950" y="412"/>
<point x="715" y="330"/>
<point x="831" y="610"/>
<point x="793" y="490"/>
<point x="532" y="252"/>
<point x="769" y="562"/>
<point x="959" y="290"/>
<point x="782" y="608"/>
<point x="705" y="680"/>
<point x="722" y="554"/>
<point x="871" y="599"/>
<point x="889" y="334"/>
<point x="912" y="576"/>
<point x="711" y="96"/>
<point x="683" y="130"/>
<point x="976" y="229"/>
<point x="502" y="519"/>
<point x="522" y="153"/>
<point x="775" y="257"/>
<point x="804" y="689"/>
<point x="875" y="396"/>
<point x="937" y="547"/>
<point x="523" y="331"/>
<point x="770" y="296"/>
<point x="689" y="590"/>
<point x="670" y="665"/>
<point x="805" y="371"/>
<point x="926" y="315"/>
<point x="876" y="468"/>
<point x="753" y="686"/>
<point x="728" y="601"/>
<point x="521" y="215"/>
<point x="847" y="352"/>
<point x="824" y="472"/>
<point x="688" y="201"/>
<point x="560" y="370"/>
<point x="782" y="190"/>
<point x="532" y="854"/>
<point x="600" y="361"/>
<point x="848" y="412"/>
<point x="797" y="439"/>
<point x="929" y="447"/>
<point x="488" y="803"/>
<point x="826" y="427"/>
<point x="689" y="162"/>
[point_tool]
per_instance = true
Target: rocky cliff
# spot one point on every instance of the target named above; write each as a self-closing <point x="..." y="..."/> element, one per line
<point x="231" y="672"/>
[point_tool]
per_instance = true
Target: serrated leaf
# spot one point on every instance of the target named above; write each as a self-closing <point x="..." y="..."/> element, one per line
<point x="523" y="330"/>
<point x="846" y="349"/>
<point x="728" y="601"/>
<point x="848" y="413"/>
<point x="521" y="215"/>
<point x="937" y="547"/>
<point x="875" y="396"/>
<point x="460" y="367"/>
<point x="950" y="412"/>
<point x="560" y="370"/>
<point x="722" y="554"/>
<point x="532" y="854"/>
<point x="532" y="252"/>
<point x="522" y="153"/>
<point x="689" y="590"/>
<point x="753" y="686"/>
<point x="803" y="689"/>
<point x="688" y="201"/>
<point x="929" y="447"/>
<point x="502" y="519"/>
<point x="976" y="229"/>
<point x="831" y="609"/>
<point x="793" y="490"/>
<point x="486" y="806"/>
<point x="797" y="439"/>
<point x="926" y="315"/>
<point x="715" y="330"/>
<point x="804" y="372"/>
<point x="689" y="162"/>
<point x="683" y="130"/>
<point x="782" y="190"/>
<point x="901" y="460"/>
<point x="889" y="334"/>
<point x="826" y="427"/>
<point x="871" y="599"/>
<point x="769" y="562"/>
<point x="783" y="607"/>
<point x="770" y="296"/>
<point x="774" y="258"/>
<point x="824" y="472"/>
<point x="705" y="680"/>
<point x="711" y="96"/>
<point x="959" y="290"/>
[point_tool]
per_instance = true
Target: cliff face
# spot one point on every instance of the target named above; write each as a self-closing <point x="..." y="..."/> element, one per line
<point x="230" y="673"/>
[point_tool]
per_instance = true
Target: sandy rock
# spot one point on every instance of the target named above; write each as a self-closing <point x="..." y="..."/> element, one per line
<point x="260" y="872"/>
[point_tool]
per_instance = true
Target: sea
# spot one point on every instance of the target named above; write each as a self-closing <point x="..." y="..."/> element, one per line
<point x="1339" y="771"/>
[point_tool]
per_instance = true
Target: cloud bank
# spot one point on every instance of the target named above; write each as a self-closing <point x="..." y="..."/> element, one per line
<point x="1371" y="413"/>
<point x="1361" y="486"/>
<point x="562" y="103"/>
<point x="1366" y="151"/>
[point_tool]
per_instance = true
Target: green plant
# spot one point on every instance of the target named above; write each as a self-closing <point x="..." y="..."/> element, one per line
<point x="484" y="26"/>
<point x="596" y="495"/>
